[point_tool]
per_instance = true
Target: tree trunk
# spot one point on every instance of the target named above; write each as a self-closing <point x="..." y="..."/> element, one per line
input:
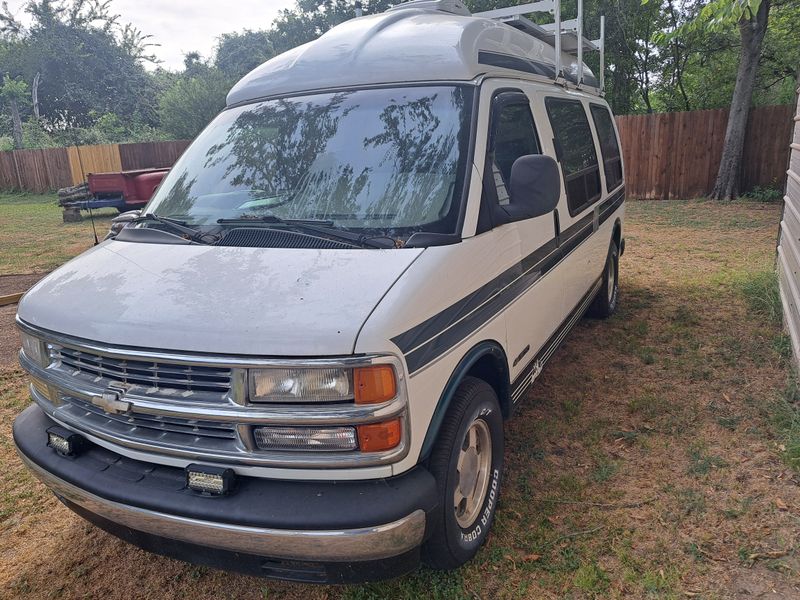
<point x="16" y="123"/>
<point x="751" y="29"/>
<point x="679" y="61"/>
<point x="35" y="95"/>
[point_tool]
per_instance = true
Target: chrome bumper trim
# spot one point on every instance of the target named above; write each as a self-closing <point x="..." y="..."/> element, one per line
<point x="368" y="543"/>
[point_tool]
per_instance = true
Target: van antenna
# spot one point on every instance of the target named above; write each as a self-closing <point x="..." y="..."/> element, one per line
<point x="91" y="218"/>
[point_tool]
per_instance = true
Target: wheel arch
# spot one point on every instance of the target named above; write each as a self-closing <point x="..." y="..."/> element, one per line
<point x="487" y="361"/>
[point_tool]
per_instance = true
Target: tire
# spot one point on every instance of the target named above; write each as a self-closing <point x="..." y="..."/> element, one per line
<point x="458" y="531"/>
<point x="605" y="303"/>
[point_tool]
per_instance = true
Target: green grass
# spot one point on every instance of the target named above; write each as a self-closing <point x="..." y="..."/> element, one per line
<point x="33" y="236"/>
<point x="701" y="462"/>
<point x="785" y="416"/>
<point x="591" y="578"/>
<point x="760" y="291"/>
<point x="698" y="214"/>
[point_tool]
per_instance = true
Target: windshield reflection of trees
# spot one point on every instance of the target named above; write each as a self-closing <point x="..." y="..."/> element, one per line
<point x="386" y="157"/>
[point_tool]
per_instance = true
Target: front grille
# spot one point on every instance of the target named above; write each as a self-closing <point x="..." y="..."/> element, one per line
<point x="177" y="431"/>
<point x="156" y="377"/>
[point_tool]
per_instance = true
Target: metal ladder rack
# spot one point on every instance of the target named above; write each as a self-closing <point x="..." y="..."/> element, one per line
<point x="563" y="36"/>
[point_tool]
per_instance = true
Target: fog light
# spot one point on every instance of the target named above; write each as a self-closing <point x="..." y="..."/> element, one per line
<point x="64" y="441"/>
<point x="215" y="481"/>
<point x="329" y="439"/>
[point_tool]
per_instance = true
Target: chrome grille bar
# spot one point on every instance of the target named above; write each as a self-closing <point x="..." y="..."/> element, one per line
<point x="149" y="374"/>
<point x="193" y="427"/>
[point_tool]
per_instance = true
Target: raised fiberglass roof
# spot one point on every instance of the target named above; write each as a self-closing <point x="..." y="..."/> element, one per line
<point x="404" y="45"/>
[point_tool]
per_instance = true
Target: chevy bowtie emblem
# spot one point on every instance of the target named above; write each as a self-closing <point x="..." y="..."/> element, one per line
<point x="111" y="401"/>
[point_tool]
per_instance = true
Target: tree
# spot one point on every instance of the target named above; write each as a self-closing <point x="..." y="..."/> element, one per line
<point x="12" y="93"/>
<point x="82" y="60"/>
<point x="752" y="22"/>
<point x="239" y="53"/>
<point x="750" y="17"/>
<point x="309" y="19"/>
<point x="190" y="103"/>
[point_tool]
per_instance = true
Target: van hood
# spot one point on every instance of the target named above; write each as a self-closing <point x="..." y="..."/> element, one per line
<point x="221" y="300"/>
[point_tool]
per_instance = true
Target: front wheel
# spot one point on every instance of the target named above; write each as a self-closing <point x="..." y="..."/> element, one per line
<point x="467" y="462"/>
<point x="605" y="303"/>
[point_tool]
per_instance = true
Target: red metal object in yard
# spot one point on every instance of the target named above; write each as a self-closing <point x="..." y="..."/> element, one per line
<point x="134" y="187"/>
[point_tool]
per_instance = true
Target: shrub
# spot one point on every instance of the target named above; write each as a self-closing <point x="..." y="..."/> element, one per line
<point x="764" y="194"/>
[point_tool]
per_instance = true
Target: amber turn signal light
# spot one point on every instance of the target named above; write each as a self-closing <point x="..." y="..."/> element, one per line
<point x="374" y="384"/>
<point x="377" y="437"/>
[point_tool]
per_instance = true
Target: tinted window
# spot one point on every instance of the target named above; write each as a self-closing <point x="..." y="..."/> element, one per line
<point x="513" y="135"/>
<point x="385" y="161"/>
<point x="576" y="153"/>
<point x="609" y="146"/>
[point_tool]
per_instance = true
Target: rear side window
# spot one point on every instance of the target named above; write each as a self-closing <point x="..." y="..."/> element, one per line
<point x="609" y="146"/>
<point x="576" y="153"/>
<point x="513" y="135"/>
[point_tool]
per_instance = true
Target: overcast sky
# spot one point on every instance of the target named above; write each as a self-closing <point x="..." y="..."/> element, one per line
<point x="181" y="26"/>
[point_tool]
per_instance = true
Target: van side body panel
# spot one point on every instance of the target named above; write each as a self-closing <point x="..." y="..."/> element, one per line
<point x="516" y="287"/>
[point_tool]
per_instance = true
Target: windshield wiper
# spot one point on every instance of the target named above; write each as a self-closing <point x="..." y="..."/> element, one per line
<point x="193" y="234"/>
<point x="314" y="225"/>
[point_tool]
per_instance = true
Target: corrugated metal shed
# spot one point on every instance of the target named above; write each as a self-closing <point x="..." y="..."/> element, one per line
<point x="789" y="244"/>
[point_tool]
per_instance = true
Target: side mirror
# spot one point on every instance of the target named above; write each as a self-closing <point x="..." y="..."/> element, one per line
<point x="535" y="186"/>
<point x="118" y="222"/>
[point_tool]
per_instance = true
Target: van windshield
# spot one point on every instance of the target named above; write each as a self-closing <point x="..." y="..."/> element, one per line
<point x="380" y="161"/>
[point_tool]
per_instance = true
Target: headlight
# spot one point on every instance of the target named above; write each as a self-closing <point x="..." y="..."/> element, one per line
<point x="35" y="349"/>
<point x="362" y="385"/>
<point x="300" y="385"/>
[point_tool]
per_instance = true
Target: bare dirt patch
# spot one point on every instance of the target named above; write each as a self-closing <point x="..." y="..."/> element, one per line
<point x="643" y="464"/>
<point x="14" y="284"/>
<point x="9" y="336"/>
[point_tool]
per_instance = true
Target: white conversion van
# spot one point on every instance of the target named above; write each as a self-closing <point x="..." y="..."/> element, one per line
<point x="297" y="361"/>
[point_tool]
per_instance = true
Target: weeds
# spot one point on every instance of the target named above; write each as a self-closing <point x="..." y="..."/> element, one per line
<point x="786" y="420"/>
<point x="764" y="194"/>
<point x="761" y="293"/>
<point x="701" y="463"/>
<point x="591" y="578"/>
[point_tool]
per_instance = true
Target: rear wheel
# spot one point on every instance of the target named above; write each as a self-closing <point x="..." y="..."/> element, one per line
<point x="605" y="303"/>
<point x="467" y="463"/>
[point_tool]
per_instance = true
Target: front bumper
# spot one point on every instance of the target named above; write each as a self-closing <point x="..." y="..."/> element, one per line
<point x="304" y="530"/>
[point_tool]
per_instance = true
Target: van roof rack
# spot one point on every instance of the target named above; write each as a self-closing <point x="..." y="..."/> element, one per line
<point x="564" y="36"/>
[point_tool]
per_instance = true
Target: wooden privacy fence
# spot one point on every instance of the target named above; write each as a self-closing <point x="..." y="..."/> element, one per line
<point x="52" y="168"/>
<point x="676" y="155"/>
<point x="667" y="155"/>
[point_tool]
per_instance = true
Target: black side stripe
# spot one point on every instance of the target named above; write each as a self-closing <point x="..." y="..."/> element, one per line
<point x="548" y="256"/>
<point x="431" y="338"/>
<point x="531" y="371"/>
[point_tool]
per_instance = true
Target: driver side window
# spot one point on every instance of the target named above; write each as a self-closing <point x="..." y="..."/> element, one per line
<point x="513" y="135"/>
